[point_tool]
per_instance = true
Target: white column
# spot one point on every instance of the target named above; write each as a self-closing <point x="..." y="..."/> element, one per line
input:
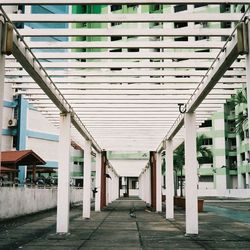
<point x="2" y="73"/>
<point x="169" y="180"/>
<point x="240" y="178"/>
<point x="158" y="183"/>
<point x="98" y="183"/>
<point x="144" y="185"/>
<point x="63" y="190"/>
<point x="87" y="180"/>
<point x="191" y="175"/>
<point x="248" y="81"/>
<point x="247" y="180"/>
<point x="141" y="185"/>
<point x="148" y="185"/>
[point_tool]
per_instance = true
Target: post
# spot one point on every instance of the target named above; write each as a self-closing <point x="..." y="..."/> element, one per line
<point x="248" y="77"/>
<point x="103" y="179"/>
<point x="63" y="191"/>
<point x="153" y="178"/>
<point x="2" y="74"/>
<point x="148" y="185"/>
<point x="98" y="183"/>
<point x="158" y="183"/>
<point x="169" y="180"/>
<point x="191" y="175"/>
<point x="87" y="181"/>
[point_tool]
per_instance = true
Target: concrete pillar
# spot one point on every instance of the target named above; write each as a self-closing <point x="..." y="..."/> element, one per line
<point x="63" y="190"/>
<point x="98" y="183"/>
<point x="169" y="180"/>
<point x="2" y="73"/>
<point x="248" y="79"/>
<point x="103" y="179"/>
<point x="153" y="178"/>
<point x="247" y="180"/>
<point x="148" y="185"/>
<point x="191" y="175"/>
<point x="107" y="186"/>
<point x="158" y="183"/>
<point x="240" y="178"/>
<point x="87" y="180"/>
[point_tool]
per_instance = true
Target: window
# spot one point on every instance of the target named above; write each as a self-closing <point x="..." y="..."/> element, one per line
<point x="206" y="178"/>
<point x="133" y="49"/>
<point x="206" y="124"/>
<point x="242" y="156"/>
<point x="116" y="50"/>
<point x="180" y="7"/>
<point x="155" y="8"/>
<point x="198" y="38"/>
<point x="242" y="137"/>
<point x="133" y="184"/>
<point x="247" y="133"/>
<point x="116" y="38"/>
<point x="180" y="25"/>
<point x="207" y="141"/>
<point x="115" y="23"/>
<point x="181" y="39"/>
<point x="198" y="5"/>
<point x="116" y="7"/>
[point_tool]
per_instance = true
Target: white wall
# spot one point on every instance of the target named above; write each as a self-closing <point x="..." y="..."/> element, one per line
<point x="37" y="122"/>
<point x="230" y="193"/>
<point x="47" y="150"/>
<point x="20" y="201"/>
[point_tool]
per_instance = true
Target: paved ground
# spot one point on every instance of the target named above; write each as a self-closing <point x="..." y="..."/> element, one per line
<point x="115" y="228"/>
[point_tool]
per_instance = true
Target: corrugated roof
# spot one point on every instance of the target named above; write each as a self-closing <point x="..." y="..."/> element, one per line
<point x="22" y="157"/>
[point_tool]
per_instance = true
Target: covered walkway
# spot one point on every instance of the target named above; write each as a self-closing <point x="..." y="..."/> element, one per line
<point x="115" y="228"/>
<point x="174" y="64"/>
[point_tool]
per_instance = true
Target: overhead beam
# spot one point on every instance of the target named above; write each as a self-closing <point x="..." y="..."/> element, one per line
<point x="128" y="18"/>
<point x="127" y="44"/>
<point x="125" y="73"/>
<point x="93" y="65"/>
<point x="125" y="55"/>
<point x="110" y="2"/>
<point x="80" y="82"/>
<point x="142" y="93"/>
<point x="125" y="32"/>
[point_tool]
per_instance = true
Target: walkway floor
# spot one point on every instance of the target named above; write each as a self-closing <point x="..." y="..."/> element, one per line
<point x="116" y="228"/>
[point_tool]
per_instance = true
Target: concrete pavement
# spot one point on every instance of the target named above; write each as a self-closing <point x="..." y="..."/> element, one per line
<point x="116" y="228"/>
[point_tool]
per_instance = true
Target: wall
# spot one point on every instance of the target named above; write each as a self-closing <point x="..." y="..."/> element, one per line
<point x="229" y="193"/>
<point x="20" y="201"/>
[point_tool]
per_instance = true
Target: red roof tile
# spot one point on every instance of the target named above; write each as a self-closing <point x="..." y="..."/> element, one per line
<point x="22" y="157"/>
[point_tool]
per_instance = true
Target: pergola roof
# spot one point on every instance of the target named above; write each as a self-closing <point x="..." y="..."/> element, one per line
<point x="127" y="99"/>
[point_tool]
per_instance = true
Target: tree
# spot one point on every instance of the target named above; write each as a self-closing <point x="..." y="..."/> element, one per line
<point x="179" y="162"/>
<point x="241" y="118"/>
<point x="203" y="152"/>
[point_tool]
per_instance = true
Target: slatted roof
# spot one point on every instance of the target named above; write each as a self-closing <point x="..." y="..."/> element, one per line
<point x="124" y="73"/>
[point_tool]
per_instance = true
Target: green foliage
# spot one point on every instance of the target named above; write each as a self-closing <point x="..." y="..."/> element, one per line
<point x="241" y="118"/>
<point x="240" y="97"/>
<point x="179" y="157"/>
<point x="202" y="152"/>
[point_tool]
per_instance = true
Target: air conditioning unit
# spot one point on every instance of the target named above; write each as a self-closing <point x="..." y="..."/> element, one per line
<point x="12" y="123"/>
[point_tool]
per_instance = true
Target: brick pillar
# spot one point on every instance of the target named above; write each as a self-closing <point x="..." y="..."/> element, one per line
<point x="153" y="178"/>
<point x="103" y="179"/>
